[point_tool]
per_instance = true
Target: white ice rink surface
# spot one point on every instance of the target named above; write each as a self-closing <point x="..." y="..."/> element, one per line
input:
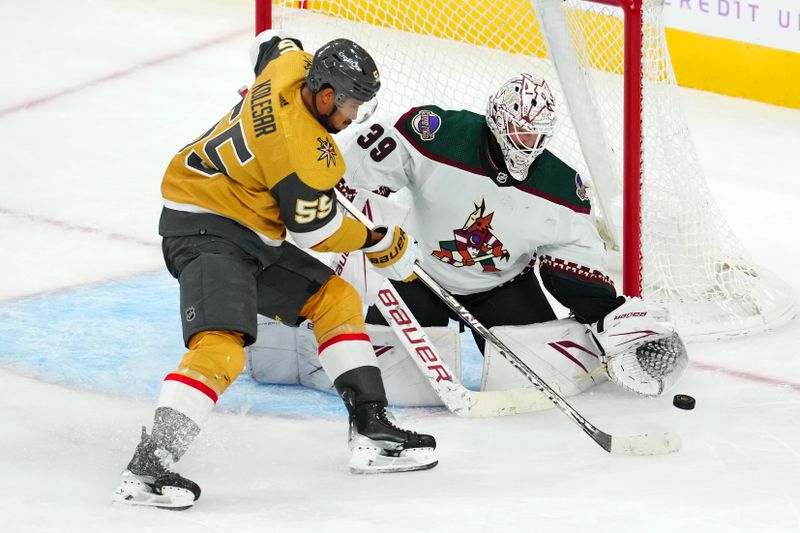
<point x="95" y="97"/>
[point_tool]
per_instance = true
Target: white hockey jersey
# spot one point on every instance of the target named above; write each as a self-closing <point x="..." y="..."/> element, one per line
<point x="476" y="226"/>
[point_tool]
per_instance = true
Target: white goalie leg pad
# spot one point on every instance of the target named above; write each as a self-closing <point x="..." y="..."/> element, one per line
<point x="135" y="490"/>
<point x="286" y="355"/>
<point x="273" y="357"/>
<point x="561" y="352"/>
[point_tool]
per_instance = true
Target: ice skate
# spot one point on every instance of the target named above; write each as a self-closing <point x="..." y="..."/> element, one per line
<point x="148" y="480"/>
<point x="379" y="446"/>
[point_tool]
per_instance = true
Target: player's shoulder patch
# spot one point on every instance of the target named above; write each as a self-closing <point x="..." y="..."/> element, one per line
<point x="446" y="136"/>
<point x="431" y="123"/>
<point x="327" y="151"/>
<point x="318" y="160"/>
<point x="425" y="123"/>
<point x="554" y="180"/>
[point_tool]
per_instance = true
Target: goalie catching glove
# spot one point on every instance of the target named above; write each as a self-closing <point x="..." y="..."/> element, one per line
<point x="394" y="255"/>
<point x="641" y="353"/>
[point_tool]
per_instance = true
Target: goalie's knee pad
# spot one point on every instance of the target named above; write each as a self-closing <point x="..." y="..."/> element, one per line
<point x="334" y="309"/>
<point x="561" y="352"/>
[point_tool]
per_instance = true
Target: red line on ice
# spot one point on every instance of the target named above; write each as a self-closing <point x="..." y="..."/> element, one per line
<point x="35" y="102"/>
<point x="74" y="227"/>
<point x="747" y="375"/>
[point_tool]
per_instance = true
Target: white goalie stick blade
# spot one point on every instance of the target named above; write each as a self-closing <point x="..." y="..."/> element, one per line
<point x="373" y="460"/>
<point x="483" y="404"/>
<point x="506" y="402"/>
<point x="134" y="491"/>
<point x="646" y="444"/>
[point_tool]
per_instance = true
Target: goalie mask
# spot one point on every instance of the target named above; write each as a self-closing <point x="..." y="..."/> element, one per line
<point x="521" y="116"/>
<point x="347" y="68"/>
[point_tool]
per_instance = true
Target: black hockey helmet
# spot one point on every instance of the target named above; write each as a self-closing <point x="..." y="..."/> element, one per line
<point x="347" y="68"/>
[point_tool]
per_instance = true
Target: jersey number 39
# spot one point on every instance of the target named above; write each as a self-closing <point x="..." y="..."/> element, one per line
<point x="384" y="146"/>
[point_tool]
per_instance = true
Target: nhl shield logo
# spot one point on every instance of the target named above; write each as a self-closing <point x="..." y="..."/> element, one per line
<point x="190" y="314"/>
<point x="426" y="123"/>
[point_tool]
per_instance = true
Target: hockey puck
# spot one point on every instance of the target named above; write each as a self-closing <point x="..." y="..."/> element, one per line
<point x="683" y="401"/>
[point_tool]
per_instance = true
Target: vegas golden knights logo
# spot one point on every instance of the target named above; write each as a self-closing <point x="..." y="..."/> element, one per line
<point x="327" y="151"/>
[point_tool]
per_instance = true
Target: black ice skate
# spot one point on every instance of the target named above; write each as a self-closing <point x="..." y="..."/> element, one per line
<point x="379" y="446"/>
<point x="148" y="480"/>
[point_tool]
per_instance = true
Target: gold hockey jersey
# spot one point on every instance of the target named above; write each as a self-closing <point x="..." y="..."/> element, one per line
<point x="268" y="163"/>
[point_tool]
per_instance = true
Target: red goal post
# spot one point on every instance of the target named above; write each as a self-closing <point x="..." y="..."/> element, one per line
<point x="620" y="126"/>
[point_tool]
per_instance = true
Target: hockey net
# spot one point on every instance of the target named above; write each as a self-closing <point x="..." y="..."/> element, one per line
<point x="676" y="247"/>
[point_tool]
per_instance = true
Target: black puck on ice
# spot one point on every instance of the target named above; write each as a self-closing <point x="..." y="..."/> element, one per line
<point x="683" y="401"/>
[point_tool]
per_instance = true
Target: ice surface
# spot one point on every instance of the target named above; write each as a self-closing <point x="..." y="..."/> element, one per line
<point x="95" y="97"/>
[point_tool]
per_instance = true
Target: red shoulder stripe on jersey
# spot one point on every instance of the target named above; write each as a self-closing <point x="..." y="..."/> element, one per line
<point x="202" y="387"/>
<point x="344" y="337"/>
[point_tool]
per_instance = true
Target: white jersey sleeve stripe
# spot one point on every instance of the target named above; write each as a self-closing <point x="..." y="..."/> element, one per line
<point x="308" y="239"/>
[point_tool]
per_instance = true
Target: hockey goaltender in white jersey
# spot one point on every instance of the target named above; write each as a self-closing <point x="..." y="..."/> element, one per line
<point x="486" y="201"/>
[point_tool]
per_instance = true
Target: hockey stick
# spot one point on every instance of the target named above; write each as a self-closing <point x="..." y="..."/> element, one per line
<point x="457" y="398"/>
<point x="643" y="444"/>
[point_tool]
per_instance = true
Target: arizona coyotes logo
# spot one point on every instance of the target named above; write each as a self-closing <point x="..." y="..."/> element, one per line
<point x="473" y="243"/>
<point x="328" y="151"/>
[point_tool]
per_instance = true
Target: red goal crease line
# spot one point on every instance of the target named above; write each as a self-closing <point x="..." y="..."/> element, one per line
<point x="747" y="375"/>
<point x="35" y="102"/>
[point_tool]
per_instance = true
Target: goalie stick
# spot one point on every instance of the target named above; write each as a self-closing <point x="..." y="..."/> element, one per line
<point x="458" y="399"/>
<point x="642" y="444"/>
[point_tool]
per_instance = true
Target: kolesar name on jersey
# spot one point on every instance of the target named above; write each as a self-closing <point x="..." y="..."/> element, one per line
<point x="261" y="109"/>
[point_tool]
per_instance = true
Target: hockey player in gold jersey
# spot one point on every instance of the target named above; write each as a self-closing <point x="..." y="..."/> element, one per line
<point x="231" y="196"/>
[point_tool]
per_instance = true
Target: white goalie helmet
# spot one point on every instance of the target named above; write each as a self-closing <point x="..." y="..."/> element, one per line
<point x="521" y="116"/>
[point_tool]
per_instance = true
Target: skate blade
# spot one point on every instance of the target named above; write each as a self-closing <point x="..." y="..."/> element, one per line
<point x="370" y="460"/>
<point x="134" y="491"/>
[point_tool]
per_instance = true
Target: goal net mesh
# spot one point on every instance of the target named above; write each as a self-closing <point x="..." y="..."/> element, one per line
<point x="454" y="54"/>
